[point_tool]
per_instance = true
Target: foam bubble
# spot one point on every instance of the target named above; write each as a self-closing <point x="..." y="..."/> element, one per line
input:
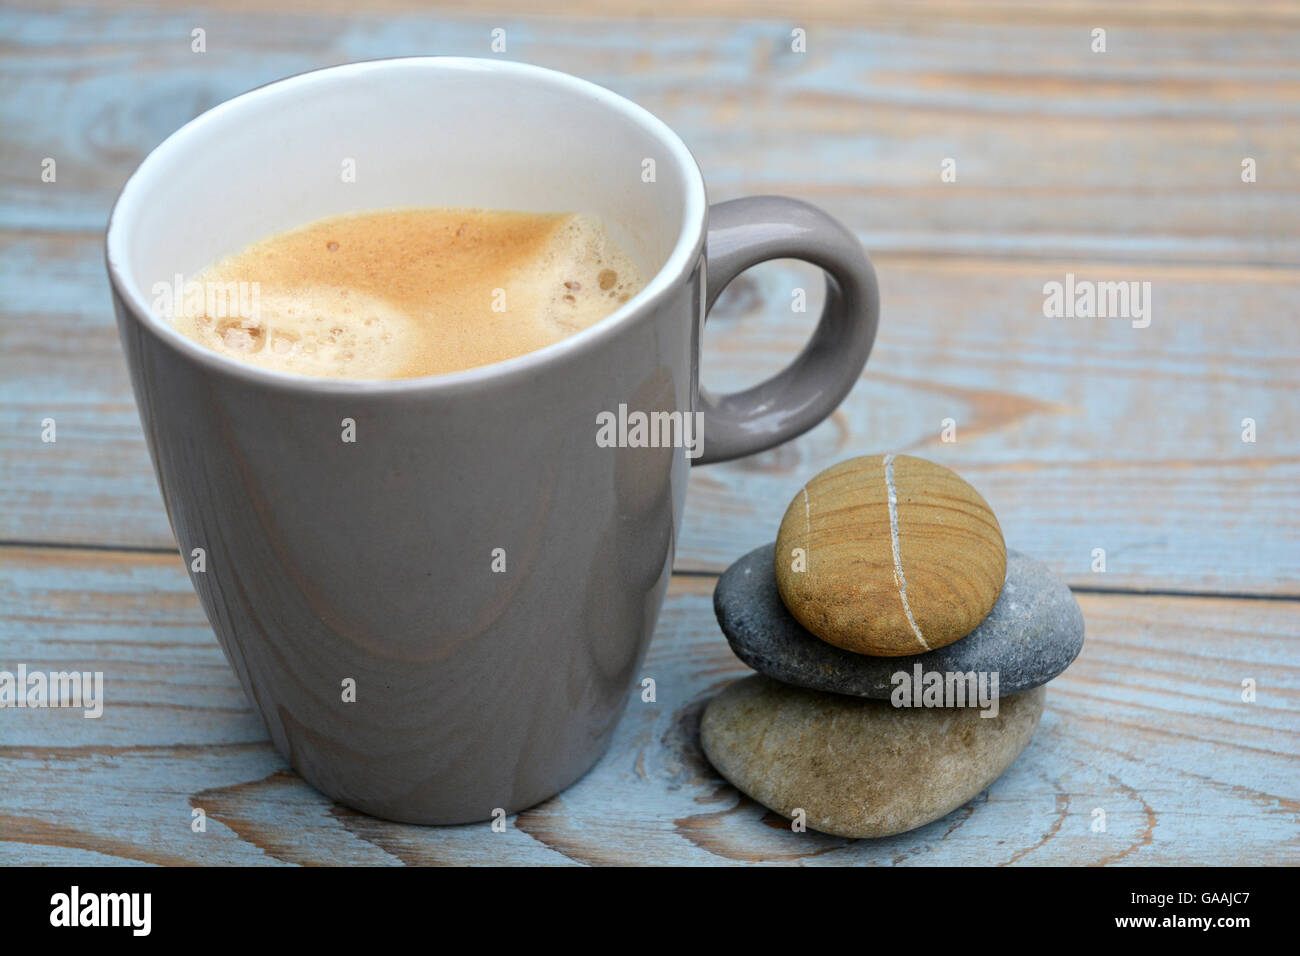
<point x="407" y="292"/>
<point x="580" y="276"/>
<point x="316" y="330"/>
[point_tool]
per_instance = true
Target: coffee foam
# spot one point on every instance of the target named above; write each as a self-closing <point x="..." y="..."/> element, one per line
<point x="409" y="292"/>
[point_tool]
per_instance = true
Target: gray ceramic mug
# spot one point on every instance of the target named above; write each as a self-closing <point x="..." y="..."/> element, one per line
<point x="480" y="571"/>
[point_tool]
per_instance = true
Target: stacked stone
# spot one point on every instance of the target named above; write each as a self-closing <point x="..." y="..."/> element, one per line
<point x="901" y="649"/>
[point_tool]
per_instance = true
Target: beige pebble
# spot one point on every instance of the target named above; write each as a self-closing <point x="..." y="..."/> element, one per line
<point x="860" y="767"/>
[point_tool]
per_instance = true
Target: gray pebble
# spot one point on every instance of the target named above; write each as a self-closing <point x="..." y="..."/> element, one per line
<point x="1032" y="634"/>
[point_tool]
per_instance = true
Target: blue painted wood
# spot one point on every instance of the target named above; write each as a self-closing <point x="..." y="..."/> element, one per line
<point x="1081" y="433"/>
<point x="1071" y="429"/>
<point x="1148" y="725"/>
<point x="1060" y="151"/>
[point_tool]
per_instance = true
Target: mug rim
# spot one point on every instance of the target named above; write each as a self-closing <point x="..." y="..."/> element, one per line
<point x="685" y="252"/>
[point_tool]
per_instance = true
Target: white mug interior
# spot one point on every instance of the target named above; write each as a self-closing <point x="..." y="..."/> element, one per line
<point x="420" y="131"/>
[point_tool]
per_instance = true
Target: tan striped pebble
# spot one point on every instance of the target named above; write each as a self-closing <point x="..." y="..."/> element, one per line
<point x="889" y="555"/>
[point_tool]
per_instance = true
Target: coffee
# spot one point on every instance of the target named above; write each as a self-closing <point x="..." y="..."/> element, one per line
<point x="401" y="293"/>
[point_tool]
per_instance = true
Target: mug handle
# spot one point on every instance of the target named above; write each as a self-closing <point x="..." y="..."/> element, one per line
<point x="743" y="233"/>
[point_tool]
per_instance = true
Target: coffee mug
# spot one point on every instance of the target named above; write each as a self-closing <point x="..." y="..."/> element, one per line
<point x="438" y="591"/>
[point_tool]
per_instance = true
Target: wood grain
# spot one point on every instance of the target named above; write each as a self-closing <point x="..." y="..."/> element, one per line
<point x="1065" y="153"/>
<point x="1189" y="13"/>
<point x="1070" y="429"/>
<point x="1147" y="725"/>
<point x="1082" y="434"/>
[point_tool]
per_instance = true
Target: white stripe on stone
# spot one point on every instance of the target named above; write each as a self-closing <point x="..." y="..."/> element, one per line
<point x="899" y="579"/>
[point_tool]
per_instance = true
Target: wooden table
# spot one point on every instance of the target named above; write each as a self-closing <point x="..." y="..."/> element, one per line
<point x="1082" y="433"/>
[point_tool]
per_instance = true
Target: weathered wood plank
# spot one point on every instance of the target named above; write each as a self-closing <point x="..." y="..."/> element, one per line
<point x="1082" y="433"/>
<point x="1069" y="156"/>
<point x="1148" y="725"/>
<point x="1191" y="14"/>
<point x="1060" y="151"/>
